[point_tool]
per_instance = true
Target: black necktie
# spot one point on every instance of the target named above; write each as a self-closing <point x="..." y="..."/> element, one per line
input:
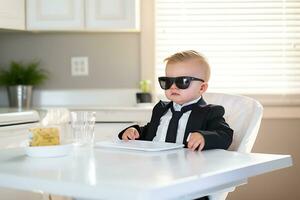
<point x="173" y="125"/>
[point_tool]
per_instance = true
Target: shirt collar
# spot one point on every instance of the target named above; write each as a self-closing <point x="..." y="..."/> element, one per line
<point x="177" y="107"/>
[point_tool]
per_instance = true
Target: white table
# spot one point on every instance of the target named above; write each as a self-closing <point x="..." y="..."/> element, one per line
<point x="101" y="173"/>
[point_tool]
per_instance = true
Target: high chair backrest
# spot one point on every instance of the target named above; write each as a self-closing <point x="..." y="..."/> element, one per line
<point x="243" y="114"/>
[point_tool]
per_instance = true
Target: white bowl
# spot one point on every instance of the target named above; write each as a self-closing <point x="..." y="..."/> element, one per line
<point x="49" y="151"/>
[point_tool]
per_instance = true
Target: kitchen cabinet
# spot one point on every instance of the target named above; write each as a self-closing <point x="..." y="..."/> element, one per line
<point x="112" y="14"/>
<point x="55" y="15"/>
<point x="13" y="133"/>
<point x="14" y="125"/>
<point x="12" y="14"/>
<point x="83" y="15"/>
<point x="14" y="136"/>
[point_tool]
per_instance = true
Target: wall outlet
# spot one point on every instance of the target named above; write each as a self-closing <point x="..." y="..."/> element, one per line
<point x="79" y="66"/>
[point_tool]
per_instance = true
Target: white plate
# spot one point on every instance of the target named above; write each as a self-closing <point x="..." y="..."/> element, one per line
<point x="49" y="151"/>
<point x="139" y="145"/>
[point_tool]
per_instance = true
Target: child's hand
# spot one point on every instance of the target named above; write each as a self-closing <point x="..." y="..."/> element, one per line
<point x="196" y="140"/>
<point x="130" y="134"/>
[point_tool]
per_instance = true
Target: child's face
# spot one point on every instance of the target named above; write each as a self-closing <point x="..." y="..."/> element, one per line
<point x="196" y="88"/>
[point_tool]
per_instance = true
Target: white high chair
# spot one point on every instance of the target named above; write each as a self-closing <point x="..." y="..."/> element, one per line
<point x="244" y="115"/>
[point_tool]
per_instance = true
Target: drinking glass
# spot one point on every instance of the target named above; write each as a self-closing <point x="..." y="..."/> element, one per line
<point x="83" y="125"/>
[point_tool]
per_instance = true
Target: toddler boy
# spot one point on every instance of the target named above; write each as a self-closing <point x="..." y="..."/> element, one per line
<point x="186" y="119"/>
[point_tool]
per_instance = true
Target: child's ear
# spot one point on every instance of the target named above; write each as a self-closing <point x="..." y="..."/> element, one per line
<point x="203" y="87"/>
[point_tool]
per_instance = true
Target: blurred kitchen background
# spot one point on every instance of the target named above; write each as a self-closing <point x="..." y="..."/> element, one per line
<point x="263" y="61"/>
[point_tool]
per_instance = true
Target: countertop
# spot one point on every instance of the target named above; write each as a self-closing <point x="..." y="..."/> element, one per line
<point x="140" y="113"/>
<point x="113" y="105"/>
<point x="12" y="116"/>
<point x="133" y="114"/>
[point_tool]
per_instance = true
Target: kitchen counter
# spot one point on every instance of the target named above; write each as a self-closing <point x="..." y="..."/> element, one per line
<point x="109" y="113"/>
<point x="12" y="116"/>
<point x="103" y="113"/>
<point x="113" y="105"/>
<point x="119" y="114"/>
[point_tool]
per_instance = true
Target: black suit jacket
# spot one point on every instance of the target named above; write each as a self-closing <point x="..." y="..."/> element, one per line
<point x="206" y="119"/>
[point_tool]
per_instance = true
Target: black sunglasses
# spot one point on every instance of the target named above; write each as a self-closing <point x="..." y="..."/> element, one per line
<point x="182" y="82"/>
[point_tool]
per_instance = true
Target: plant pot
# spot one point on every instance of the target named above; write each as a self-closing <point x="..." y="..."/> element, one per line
<point x="19" y="96"/>
<point x="143" y="97"/>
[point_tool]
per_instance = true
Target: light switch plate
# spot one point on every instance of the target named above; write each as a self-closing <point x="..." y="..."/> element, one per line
<point x="79" y="66"/>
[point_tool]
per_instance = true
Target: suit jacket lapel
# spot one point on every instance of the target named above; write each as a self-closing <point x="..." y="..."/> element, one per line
<point x="195" y="119"/>
<point x="155" y="120"/>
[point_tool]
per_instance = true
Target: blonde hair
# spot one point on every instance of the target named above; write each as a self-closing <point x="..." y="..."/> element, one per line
<point x="188" y="55"/>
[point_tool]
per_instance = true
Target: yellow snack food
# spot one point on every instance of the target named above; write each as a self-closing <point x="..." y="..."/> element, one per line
<point x="44" y="136"/>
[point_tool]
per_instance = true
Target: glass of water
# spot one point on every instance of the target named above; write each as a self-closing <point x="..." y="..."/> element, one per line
<point x="83" y="125"/>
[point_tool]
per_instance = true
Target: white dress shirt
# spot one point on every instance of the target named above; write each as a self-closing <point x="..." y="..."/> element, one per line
<point x="162" y="129"/>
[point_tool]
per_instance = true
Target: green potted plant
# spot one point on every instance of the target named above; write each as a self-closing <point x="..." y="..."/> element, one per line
<point x="19" y="79"/>
<point x="144" y="96"/>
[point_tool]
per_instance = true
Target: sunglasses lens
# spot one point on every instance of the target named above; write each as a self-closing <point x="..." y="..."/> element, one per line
<point x="165" y="82"/>
<point x="182" y="82"/>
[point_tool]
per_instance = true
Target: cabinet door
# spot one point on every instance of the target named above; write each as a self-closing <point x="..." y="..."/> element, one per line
<point x="12" y="14"/>
<point x="55" y="14"/>
<point x="112" y="15"/>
